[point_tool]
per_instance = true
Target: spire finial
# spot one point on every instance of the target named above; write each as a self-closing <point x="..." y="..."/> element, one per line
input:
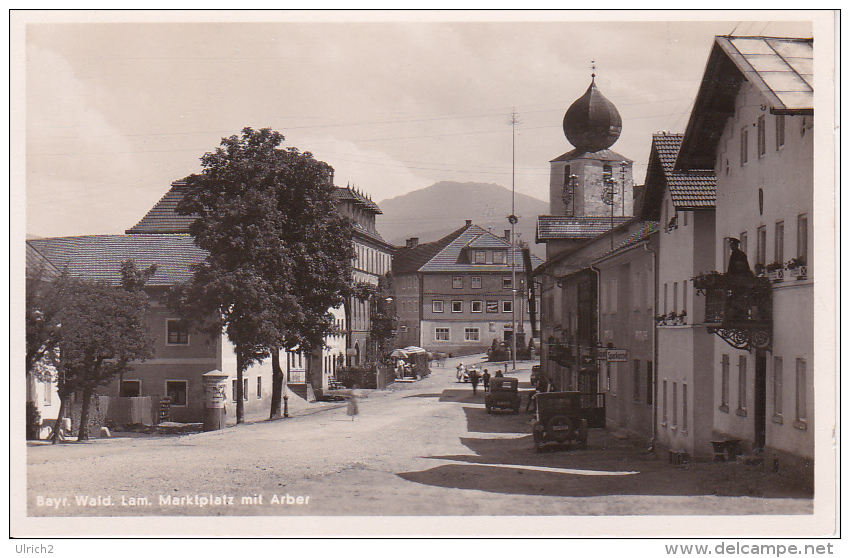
<point x="592" y="69"/>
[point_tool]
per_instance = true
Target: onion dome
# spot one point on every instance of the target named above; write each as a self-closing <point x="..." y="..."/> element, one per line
<point x="592" y="122"/>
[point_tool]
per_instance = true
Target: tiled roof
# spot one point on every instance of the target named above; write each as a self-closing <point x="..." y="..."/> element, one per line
<point x="373" y="235"/>
<point x="602" y="155"/>
<point x="449" y="258"/>
<point x="781" y="68"/>
<point x="162" y="218"/>
<point x="691" y="190"/>
<point x="36" y="260"/>
<point x="557" y="227"/>
<point x="644" y="230"/>
<point x="487" y="241"/>
<point x="357" y="197"/>
<point x="98" y="258"/>
<point x="409" y="260"/>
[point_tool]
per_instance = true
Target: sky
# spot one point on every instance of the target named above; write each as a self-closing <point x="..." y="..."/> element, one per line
<point x="116" y="111"/>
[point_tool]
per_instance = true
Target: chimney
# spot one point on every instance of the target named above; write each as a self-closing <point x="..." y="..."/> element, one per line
<point x="413" y="242"/>
<point x="508" y="235"/>
<point x="468" y="222"/>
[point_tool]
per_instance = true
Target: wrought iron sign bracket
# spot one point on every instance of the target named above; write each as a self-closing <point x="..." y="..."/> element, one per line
<point x="744" y="339"/>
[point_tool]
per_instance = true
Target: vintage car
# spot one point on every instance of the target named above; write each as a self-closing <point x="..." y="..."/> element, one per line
<point x="558" y="419"/>
<point x="536" y="374"/>
<point x="503" y="394"/>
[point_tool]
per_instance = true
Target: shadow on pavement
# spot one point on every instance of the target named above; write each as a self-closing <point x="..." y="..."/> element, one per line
<point x="510" y="465"/>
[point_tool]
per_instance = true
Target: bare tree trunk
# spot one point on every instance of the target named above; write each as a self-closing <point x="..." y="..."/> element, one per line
<point x="57" y="425"/>
<point x="83" y="433"/>
<point x="277" y="384"/>
<point x="240" y="403"/>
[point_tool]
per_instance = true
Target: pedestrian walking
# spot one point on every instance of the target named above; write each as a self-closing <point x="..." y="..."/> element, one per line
<point x="353" y="409"/>
<point x="485" y="379"/>
<point x="473" y="377"/>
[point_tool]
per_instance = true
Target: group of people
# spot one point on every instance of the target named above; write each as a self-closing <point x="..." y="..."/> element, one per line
<point x="475" y="378"/>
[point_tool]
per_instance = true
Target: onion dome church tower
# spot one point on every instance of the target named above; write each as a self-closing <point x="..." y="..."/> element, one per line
<point x="591" y="180"/>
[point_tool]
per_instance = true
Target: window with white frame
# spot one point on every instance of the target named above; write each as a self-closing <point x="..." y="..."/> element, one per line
<point x="507" y="282"/>
<point x="260" y="383"/>
<point x="762" y="143"/>
<point x="177" y="332"/>
<point x="780" y="131"/>
<point x="744" y="147"/>
<point x="684" y="407"/>
<point x="477" y="306"/>
<point x="803" y="237"/>
<point x="507" y="306"/>
<point x="441" y="334"/>
<point x="779" y="242"/>
<point x="457" y="282"/>
<point x="724" y="382"/>
<point x="498" y="256"/>
<point x="675" y="419"/>
<point x="777" y="386"/>
<point x="480" y="256"/>
<point x="457" y="306"/>
<point x="471" y="334"/>
<point x="176" y="390"/>
<point x="742" y="383"/>
<point x="801" y="411"/>
<point x="437" y="306"/>
<point x="664" y="403"/>
<point x="476" y="281"/>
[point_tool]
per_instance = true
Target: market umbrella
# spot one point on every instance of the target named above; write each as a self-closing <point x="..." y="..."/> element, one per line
<point x="398" y="353"/>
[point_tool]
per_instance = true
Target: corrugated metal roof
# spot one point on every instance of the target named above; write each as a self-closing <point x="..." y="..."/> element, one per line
<point x="782" y="68"/>
<point x="557" y="227"/>
<point x="98" y="258"/>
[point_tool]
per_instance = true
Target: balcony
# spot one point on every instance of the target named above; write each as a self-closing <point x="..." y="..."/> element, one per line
<point x="739" y="309"/>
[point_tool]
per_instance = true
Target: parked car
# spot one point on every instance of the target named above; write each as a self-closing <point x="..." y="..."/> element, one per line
<point x="557" y="418"/>
<point x="536" y="374"/>
<point x="503" y="394"/>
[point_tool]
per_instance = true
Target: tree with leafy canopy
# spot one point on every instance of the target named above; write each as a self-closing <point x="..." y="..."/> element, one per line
<point x="45" y="297"/>
<point x="103" y="331"/>
<point x="279" y="254"/>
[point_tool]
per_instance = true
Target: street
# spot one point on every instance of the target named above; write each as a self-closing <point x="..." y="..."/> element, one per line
<point x="423" y="448"/>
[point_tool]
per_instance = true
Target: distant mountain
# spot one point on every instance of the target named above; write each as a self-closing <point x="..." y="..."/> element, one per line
<point x="435" y="211"/>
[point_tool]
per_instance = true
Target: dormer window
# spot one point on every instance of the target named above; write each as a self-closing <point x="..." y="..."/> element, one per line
<point x="480" y="256"/>
<point x="499" y="257"/>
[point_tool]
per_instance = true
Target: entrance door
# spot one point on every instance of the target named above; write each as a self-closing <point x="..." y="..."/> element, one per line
<point x="592" y="402"/>
<point x="760" y="402"/>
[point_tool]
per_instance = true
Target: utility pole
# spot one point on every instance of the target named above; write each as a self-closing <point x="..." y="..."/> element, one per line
<point x="513" y="121"/>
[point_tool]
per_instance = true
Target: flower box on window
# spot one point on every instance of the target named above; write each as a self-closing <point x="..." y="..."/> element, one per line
<point x="775" y="271"/>
<point x="797" y="268"/>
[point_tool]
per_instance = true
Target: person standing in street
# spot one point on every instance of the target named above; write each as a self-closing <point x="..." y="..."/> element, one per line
<point x="473" y="377"/>
<point x="485" y="379"/>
